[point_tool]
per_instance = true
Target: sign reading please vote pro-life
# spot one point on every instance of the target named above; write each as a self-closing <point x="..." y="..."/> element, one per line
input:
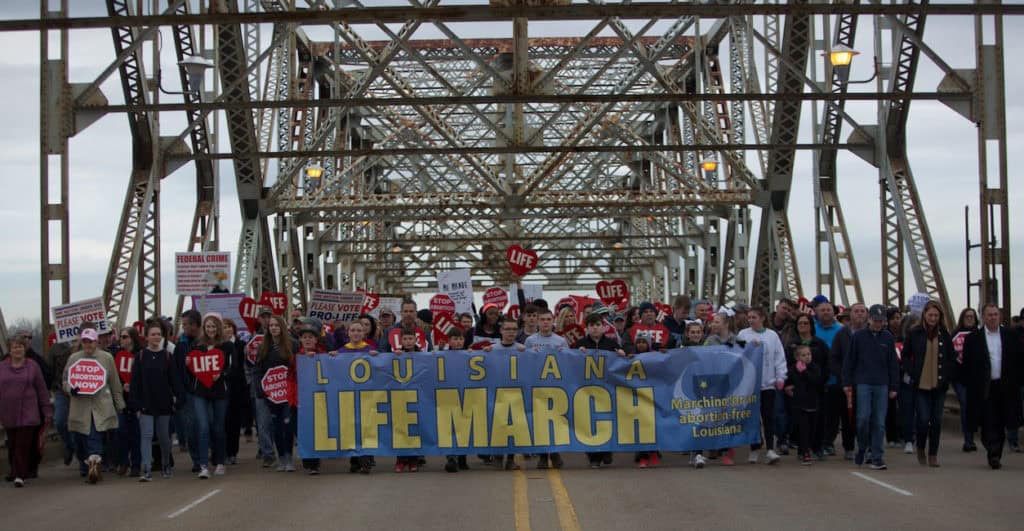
<point x="507" y="401"/>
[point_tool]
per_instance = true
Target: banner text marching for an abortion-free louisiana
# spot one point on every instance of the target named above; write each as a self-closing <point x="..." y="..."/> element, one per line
<point x="506" y="401"/>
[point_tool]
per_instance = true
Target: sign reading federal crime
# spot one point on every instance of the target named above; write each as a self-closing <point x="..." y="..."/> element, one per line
<point x="505" y="401"/>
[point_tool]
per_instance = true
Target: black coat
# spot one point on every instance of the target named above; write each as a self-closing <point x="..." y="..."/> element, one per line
<point x="156" y="383"/>
<point x="820" y="355"/>
<point x="807" y="387"/>
<point x="914" y="346"/>
<point x="977" y="372"/>
<point x="606" y="343"/>
<point x="219" y="390"/>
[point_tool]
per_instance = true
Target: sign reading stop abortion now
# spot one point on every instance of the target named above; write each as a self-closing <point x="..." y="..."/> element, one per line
<point x="87" y="375"/>
<point x="201" y="273"/>
<point x="68" y="318"/>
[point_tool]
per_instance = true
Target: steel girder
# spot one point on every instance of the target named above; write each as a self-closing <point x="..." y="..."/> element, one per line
<point x="775" y="255"/>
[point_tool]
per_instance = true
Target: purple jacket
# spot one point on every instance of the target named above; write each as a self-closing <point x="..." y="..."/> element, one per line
<point x="23" y="395"/>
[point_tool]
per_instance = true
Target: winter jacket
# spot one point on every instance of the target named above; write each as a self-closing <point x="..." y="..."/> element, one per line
<point x="24" y="399"/>
<point x="841" y="345"/>
<point x="871" y="360"/>
<point x="819" y="354"/>
<point x="981" y="388"/>
<point x="100" y="408"/>
<point x="273" y="359"/>
<point x="156" y="385"/>
<point x="773" y="360"/>
<point x="912" y="362"/>
<point x="59" y="354"/>
<point x="43" y="366"/>
<point x="807" y="387"/>
<point x="605" y="343"/>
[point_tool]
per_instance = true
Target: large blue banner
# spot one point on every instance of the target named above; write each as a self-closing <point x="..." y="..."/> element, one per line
<point x="506" y="401"/>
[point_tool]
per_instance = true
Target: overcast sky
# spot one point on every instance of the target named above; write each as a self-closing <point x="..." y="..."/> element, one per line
<point x="942" y="148"/>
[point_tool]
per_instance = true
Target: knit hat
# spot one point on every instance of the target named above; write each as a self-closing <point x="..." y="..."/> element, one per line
<point x="647" y="305"/>
<point x="818" y="299"/>
<point x="426" y="316"/>
<point x="877" y="312"/>
<point x="600" y="309"/>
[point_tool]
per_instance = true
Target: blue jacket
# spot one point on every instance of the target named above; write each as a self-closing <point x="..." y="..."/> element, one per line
<point x="872" y="360"/>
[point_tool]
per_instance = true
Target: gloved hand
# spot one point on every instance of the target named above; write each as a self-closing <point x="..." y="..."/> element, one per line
<point x="74" y="391"/>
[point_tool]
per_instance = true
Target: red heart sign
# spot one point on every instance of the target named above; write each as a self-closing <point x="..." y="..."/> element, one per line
<point x="441" y="303"/>
<point x="664" y="310"/>
<point x="443" y="323"/>
<point x="614" y="294"/>
<point x="277" y="301"/>
<point x="522" y="261"/>
<point x="573" y="334"/>
<point x="123" y="361"/>
<point x="204" y="365"/>
<point x="88" y="375"/>
<point x="497" y="297"/>
<point x="513" y="311"/>
<point x="250" y="312"/>
<point x="275" y="384"/>
<point x="370" y="302"/>
<point x="252" y="348"/>
<point x="140" y="326"/>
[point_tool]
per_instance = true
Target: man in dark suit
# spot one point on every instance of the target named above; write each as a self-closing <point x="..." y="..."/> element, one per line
<point x="992" y="366"/>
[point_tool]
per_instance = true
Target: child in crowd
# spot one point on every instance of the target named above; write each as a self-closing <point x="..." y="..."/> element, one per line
<point x="596" y="339"/>
<point x="547" y="338"/>
<point x="456" y="341"/>
<point x="410" y="463"/>
<point x="357" y="344"/>
<point x="644" y="459"/>
<point x="694" y="336"/>
<point x="309" y="341"/>
<point x="804" y="386"/>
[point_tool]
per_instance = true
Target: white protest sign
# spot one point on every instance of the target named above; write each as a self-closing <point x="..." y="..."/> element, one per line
<point x="68" y="318"/>
<point x="532" y="292"/>
<point x="917" y="302"/>
<point x="458" y="285"/>
<point x="392" y="303"/>
<point x="200" y="273"/>
<point x="328" y="305"/>
<point x="226" y="304"/>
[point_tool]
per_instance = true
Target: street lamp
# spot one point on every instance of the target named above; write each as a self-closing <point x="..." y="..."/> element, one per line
<point x="314" y="172"/>
<point x="841" y="57"/>
<point x="709" y="167"/>
<point x="195" y="71"/>
<point x="618" y="244"/>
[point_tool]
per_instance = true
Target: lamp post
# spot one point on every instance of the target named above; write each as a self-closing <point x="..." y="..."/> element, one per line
<point x="710" y="167"/>
<point x="195" y="71"/>
<point x="841" y="57"/>
<point x="313" y="174"/>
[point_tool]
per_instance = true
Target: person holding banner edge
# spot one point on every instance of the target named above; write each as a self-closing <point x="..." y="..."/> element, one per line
<point x="773" y="378"/>
<point x="309" y="336"/>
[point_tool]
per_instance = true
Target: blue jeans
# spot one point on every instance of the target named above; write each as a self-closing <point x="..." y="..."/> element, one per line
<point x="961" y="396"/>
<point x="161" y="423"/>
<point x="929" y="418"/>
<point x="60" y="420"/>
<point x="126" y="441"/>
<point x="908" y="411"/>
<point x="264" y="426"/>
<point x="185" y="427"/>
<point x="88" y="444"/>
<point x="872" y="403"/>
<point x="281" y="416"/>
<point x="210" y="416"/>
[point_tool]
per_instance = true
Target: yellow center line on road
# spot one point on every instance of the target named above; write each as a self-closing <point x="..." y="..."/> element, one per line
<point x="521" y="503"/>
<point x="566" y="513"/>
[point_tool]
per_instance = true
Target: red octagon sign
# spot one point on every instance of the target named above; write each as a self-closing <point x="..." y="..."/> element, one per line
<point x="275" y="384"/>
<point x="88" y="375"/>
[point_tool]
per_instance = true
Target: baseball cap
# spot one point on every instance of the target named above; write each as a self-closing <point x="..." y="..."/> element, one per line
<point x="618" y="317"/>
<point x="90" y="334"/>
<point x="877" y="312"/>
<point x="601" y="309"/>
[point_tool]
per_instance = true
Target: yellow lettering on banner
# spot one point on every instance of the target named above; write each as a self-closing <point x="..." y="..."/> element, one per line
<point x="460" y="416"/>
<point x="440" y="369"/>
<point x="320" y="380"/>
<point x="636" y="369"/>
<point x="594" y="367"/>
<point x="370" y="416"/>
<point x="550" y="407"/>
<point x="347" y="419"/>
<point x="478" y="370"/>
<point x="402" y="418"/>
<point x="509" y="418"/>
<point x="550" y="368"/>
<point x="322" y="442"/>
<point x="353" y="372"/>
<point x="396" y="369"/>
<point x="513" y="368"/>
<point x="635" y="408"/>
<point x="588" y="431"/>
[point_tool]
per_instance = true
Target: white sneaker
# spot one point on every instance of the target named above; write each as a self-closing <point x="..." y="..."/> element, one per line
<point x="219" y="471"/>
<point x="908" y="448"/>
<point x="204" y="473"/>
<point x="752" y="459"/>
<point x="19" y="483"/>
<point x="289" y="467"/>
<point x="699" y="461"/>
<point x="772" y="457"/>
<point x="281" y="467"/>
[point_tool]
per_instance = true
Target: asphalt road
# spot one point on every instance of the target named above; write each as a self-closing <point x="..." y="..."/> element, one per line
<point x="963" y="494"/>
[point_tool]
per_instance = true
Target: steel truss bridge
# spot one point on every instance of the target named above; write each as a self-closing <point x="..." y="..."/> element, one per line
<point x="438" y="153"/>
